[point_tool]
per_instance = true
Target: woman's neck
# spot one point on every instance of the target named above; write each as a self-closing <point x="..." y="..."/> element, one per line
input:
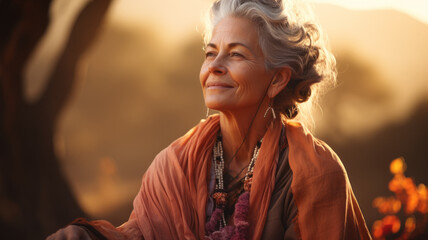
<point x="240" y="136"/>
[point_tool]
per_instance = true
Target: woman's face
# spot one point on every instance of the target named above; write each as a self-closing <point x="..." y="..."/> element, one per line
<point x="233" y="75"/>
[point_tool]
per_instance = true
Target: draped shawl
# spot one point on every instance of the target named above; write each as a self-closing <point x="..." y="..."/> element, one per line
<point x="171" y="203"/>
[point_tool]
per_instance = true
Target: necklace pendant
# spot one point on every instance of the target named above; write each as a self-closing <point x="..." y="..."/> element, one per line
<point x="247" y="184"/>
<point x="220" y="198"/>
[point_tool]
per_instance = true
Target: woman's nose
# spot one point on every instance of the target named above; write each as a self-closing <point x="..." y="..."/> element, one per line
<point x="217" y="67"/>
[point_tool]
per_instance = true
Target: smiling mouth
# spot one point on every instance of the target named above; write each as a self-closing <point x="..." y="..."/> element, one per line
<point x="217" y="85"/>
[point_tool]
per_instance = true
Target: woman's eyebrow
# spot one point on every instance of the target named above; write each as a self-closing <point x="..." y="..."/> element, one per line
<point x="234" y="44"/>
<point x="231" y="45"/>
<point x="211" y="45"/>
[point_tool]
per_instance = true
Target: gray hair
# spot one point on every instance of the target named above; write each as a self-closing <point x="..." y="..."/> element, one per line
<point x="289" y="37"/>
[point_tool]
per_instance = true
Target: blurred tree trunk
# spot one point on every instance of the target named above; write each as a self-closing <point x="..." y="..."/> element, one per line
<point x="35" y="198"/>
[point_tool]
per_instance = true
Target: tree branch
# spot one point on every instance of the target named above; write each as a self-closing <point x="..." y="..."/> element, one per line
<point x="82" y="35"/>
<point x="24" y="23"/>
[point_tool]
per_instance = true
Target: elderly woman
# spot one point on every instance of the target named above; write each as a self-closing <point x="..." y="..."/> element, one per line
<point x="249" y="172"/>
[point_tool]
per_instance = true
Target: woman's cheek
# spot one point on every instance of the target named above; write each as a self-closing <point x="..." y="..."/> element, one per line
<point x="203" y="75"/>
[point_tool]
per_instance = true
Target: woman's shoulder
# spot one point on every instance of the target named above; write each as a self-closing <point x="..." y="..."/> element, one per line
<point x="311" y="158"/>
<point x="321" y="189"/>
<point x="195" y="142"/>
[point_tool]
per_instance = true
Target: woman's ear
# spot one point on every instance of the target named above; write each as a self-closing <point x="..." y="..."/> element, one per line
<point x="279" y="81"/>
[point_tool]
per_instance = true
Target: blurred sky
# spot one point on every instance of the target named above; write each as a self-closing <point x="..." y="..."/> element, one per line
<point x="415" y="8"/>
<point x="179" y="14"/>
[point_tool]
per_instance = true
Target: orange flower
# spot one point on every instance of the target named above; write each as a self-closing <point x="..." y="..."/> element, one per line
<point x="397" y="166"/>
<point x="423" y="199"/>
<point x="413" y="199"/>
<point x="391" y="224"/>
<point x="410" y="224"/>
<point x="396" y="184"/>
<point x="377" y="229"/>
<point x="412" y="202"/>
<point x="387" y="205"/>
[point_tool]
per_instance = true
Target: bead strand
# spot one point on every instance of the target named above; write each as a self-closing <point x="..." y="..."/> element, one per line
<point x="220" y="195"/>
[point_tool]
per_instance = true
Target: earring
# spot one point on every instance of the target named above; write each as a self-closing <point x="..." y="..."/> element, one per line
<point x="273" y="112"/>
<point x="208" y="113"/>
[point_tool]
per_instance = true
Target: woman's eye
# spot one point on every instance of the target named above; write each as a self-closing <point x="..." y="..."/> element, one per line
<point x="209" y="54"/>
<point x="236" y="54"/>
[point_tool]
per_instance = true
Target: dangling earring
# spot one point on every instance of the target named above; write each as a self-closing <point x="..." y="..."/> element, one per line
<point x="273" y="112"/>
<point x="208" y="112"/>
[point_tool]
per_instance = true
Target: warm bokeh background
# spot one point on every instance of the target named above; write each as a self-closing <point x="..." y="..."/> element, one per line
<point x="138" y="90"/>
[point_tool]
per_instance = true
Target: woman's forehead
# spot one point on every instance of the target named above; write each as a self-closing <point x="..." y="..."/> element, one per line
<point x="235" y="30"/>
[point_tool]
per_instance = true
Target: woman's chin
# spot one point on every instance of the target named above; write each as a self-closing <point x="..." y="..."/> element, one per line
<point x="216" y="103"/>
<point x="214" y="107"/>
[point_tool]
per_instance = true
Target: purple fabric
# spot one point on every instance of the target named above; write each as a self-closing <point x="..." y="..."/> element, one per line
<point x="211" y="188"/>
<point x="212" y="223"/>
<point x="242" y="207"/>
<point x="241" y="231"/>
<point x="237" y="232"/>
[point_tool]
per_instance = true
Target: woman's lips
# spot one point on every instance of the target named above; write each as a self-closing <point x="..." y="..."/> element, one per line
<point x="214" y="85"/>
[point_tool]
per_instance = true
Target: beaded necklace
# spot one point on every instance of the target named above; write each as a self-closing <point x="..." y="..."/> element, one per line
<point x="240" y="230"/>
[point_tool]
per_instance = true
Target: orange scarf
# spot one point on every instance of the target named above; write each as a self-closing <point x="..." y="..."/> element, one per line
<point x="326" y="205"/>
<point x="172" y="200"/>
